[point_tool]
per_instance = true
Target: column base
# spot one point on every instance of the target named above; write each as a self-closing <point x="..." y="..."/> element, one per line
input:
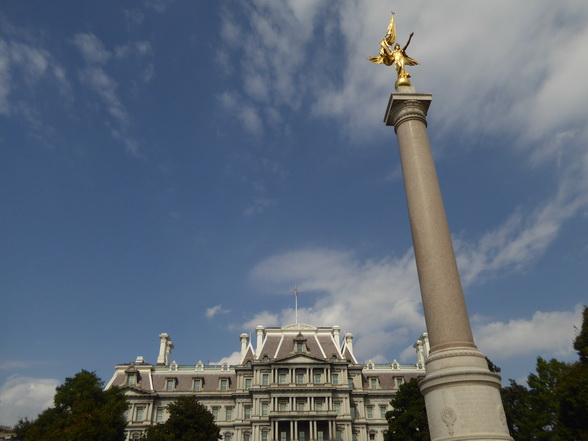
<point x="462" y="397"/>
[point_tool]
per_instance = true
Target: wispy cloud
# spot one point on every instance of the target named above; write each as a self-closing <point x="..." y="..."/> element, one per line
<point x="218" y="309"/>
<point x="95" y="77"/>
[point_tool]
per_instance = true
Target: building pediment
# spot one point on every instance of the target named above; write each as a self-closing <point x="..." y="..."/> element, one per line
<point x="135" y="391"/>
<point x="300" y="359"/>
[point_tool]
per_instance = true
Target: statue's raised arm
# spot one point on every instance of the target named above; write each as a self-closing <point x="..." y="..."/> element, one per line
<point x="392" y="54"/>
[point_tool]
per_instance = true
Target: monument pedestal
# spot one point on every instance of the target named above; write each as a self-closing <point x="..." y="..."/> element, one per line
<point x="462" y="396"/>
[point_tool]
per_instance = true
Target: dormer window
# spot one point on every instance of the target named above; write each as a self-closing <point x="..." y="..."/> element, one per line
<point x="197" y="384"/>
<point x="132" y="375"/>
<point x="170" y="384"/>
<point x="300" y="343"/>
<point x="224" y="385"/>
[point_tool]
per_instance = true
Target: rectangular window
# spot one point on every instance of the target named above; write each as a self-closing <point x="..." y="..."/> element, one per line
<point x="247" y="413"/>
<point x="317" y="378"/>
<point x="301" y="436"/>
<point x="215" y="413"/>
<point x="140" y="413"/>
<point x="382" y="412"/>
<point x="318" y="405"/>
<point x="246" y="437"/>
<point x="169" y="385"/>
<point x="299" y="378"/>
<point x="372" y="436"/>
<point x="223" y="385"/>
<point x="132" y="379"/>
<point x="264" y="409"/>
<point x="197" y="386"/>
<point x="300" y="404"/>
<point x="265" y="379"/>
<point x="350" y="382"/>
<point x="159" y="415"/>
<point x="374" y="383"/>
<point x="321" y="435"/>
<point x="354" y="436"/>
<point x="283" y="436"/>
<point x="263" y="436"/>
<point x="282" y="406"/>
<point x="247" y="383"/>
<point x="299" y="347"/>
<point x="337" y="407"/>
<point x="227" y="437"/>
<point x="282" y="378"/>
<point x="339" y="435"/>
<point x="353" y="412"/>
<point x="370" y="412"/>
<point x="335" y="378"/>
<point x="399" y="381"/>
<point x="229" y="414"/>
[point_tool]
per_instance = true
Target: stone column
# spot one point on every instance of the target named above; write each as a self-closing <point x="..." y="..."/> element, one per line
<point x="462" y="396"/>
<point x="162" y="359"/>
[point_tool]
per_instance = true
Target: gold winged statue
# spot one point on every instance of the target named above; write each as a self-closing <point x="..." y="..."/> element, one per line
<point x="395" y="55"/>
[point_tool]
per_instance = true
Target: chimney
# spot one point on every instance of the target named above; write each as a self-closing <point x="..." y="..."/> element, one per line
<point x="165" y="347"/>
<point x="259" y="331"/>
<point x="337" y="334"/>
<point x="349" y="341"/>
<point x="244" y="342"/>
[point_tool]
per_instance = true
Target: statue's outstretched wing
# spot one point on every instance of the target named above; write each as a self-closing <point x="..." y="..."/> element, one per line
<point x="384" y="56"/>
<point x="409" y="61"/>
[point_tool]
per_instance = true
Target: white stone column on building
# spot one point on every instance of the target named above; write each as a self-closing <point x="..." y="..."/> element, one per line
<point x="244" y="343"/>
<point x="161" y="358"/>
<point x="259" y="332"/>
<point x="462" y="396"/>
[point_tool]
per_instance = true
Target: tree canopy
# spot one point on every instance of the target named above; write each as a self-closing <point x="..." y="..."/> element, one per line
<point x="82" y="410"/>
<point x="188" y="421"/>
<point x="408" y="420"/>
<point x="572" y="390"/>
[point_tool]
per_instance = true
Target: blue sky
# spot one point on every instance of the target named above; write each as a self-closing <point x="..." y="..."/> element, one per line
<point x="178" y="166"/>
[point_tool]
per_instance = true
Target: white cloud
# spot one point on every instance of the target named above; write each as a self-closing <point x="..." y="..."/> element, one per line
<point x="545" y="333"/>
<point x="373" y="299"/>
<point x="234" y="358"/>
<point x="22" y="397"/>
<point x="218" y="309"/>
<point x="495" y="67"/>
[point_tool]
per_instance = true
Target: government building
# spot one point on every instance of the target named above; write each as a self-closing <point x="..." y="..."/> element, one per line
<point x="299" y="383"/>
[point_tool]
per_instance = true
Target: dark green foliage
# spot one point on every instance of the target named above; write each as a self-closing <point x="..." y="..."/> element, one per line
<point x="572" y="390"/>
<point x="408" y="420"/>
<point x="188" y="421"/>
<point x="516" y="400"/>
<point x="82" y="411"/>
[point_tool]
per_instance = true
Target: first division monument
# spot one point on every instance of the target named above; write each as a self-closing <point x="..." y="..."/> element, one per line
<point x="462" y="396"/>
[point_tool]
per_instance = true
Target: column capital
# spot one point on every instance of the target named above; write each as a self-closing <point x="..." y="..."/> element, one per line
<point x="405" y="106"/>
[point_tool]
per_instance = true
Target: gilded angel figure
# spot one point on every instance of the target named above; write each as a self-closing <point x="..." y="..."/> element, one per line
<point x="392" y="54"/>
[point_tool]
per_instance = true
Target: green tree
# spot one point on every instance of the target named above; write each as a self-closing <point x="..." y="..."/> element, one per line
<point x="408" y="420"/>
<point x="572" y="389"/>
<point x="82" y="411"/>
<point x="516" y="400"/>
<point x="188" y="421"/>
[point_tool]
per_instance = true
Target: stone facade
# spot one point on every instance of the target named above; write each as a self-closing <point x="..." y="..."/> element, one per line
<point x="300" y="383"/>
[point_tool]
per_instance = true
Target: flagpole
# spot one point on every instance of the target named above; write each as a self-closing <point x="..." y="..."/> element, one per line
<point x="296" y="297"/>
